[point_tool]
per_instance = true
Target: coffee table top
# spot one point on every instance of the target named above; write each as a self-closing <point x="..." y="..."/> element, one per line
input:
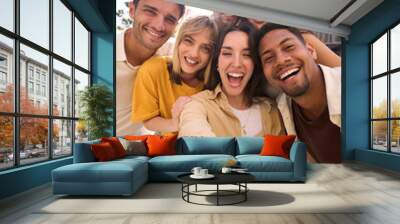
<point x="220" y="178"/>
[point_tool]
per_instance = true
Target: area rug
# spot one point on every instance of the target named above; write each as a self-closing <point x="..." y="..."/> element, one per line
<point x="167" y="198"/>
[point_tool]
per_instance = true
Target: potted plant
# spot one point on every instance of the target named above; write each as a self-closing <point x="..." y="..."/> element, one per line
<point x="96" y="102"/>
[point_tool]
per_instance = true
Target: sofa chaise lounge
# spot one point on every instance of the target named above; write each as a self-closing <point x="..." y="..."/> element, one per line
<point x="126" y="175"/>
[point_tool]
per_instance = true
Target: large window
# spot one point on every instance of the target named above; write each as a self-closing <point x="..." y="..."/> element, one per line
<point x="44" y="64"/>
<point x="385" y="91"/>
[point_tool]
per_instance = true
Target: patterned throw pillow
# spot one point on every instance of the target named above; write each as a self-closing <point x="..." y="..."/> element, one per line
<point x="134" y="147"/>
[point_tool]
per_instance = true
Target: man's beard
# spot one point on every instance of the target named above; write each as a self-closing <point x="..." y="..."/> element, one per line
<point x="298" y="90"/>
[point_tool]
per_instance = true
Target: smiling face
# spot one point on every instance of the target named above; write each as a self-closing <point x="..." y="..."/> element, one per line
<point x="154" y="22"/>
<point x="287" y="62"/>
<point x="194" y="53"/>
<point x="235" y="65"/>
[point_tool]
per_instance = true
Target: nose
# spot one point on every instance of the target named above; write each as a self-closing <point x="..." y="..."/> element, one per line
<point x="194" y="51"/>
<point x="282" y="58"/>
<point x="237" y="60"/>
<point x="158" y="23"/>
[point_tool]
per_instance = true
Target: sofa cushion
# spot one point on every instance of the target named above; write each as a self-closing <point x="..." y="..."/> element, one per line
<point x="129" y="159"/>
<point x="185" y="163"/>
<point x="277" y="145"/>
<point x="97" y="172"/>
<point x="206" y="145"/>
<point x="161" y="145"/>
<point x="257" y="163"/>
<point x="134" y="147"/>
<point x="93" y="172"/>
<point x="103" y="151"/>
<point x="116" y="145"/>
<point x="249" y="145"/>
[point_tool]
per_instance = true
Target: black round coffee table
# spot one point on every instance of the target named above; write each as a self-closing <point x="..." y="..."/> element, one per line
<point x="238" y="179"/>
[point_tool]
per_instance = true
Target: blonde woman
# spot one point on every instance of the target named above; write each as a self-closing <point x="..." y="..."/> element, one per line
<point x="163" y="87"/>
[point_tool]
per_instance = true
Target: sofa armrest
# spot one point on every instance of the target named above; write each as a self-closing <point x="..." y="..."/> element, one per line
<point x="298" y="155"/>
<point x="83" y="152"/>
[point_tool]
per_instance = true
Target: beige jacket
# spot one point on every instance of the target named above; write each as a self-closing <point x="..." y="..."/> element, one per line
<point x="332" y="77"/>
<point x="209" y="114"/>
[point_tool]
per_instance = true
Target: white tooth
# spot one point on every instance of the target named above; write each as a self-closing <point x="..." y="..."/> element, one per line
<point x="154" y="33"/>
<point x="190" y="61"/>
<point x="236" y="75"/>
<point x="284" y="75"/>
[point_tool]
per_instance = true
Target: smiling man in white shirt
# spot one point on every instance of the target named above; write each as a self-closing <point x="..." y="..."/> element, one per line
<point x="154" y="22"/>
<point x="311" y="100"/>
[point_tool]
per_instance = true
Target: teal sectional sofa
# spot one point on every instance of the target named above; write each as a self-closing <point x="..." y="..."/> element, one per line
<point x="125" y="176"/>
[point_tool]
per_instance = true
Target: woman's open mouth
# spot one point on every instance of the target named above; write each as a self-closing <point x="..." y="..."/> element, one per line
<point x="235" y="78"/>
<point x="191" y="61"/>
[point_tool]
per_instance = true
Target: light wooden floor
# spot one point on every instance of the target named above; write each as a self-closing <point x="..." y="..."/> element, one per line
<point x="377" y="188"/>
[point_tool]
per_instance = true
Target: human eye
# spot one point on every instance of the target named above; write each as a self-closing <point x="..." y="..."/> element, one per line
<point x="187" y="40"/>
<point x="206" y="49"/>
<point x="289" y="47"/>
<point x="171" y="21"/>
<point x="246" y="54"/>
<point x="226" y="53"/>
<point x="150" y="12"/>
<point x="268" y="59"/>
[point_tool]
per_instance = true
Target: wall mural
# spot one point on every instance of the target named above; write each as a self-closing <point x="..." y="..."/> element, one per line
<point x="194" y="72"/>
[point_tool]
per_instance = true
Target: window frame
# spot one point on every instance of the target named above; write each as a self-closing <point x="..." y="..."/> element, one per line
<point x="16" y="114"/>
<point x="388" y="74"/>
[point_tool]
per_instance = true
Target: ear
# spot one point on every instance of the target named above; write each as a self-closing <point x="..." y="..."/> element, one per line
<point x="132" y="10"/>
<point x="312" y="51"/>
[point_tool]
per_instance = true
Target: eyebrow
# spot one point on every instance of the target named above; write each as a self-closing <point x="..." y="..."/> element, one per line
<point x="150" y="7"/>
<point x="282" y="42"/>
<point x="230" y="48"/>
<point x="169" y="16"/>
<point x="226" y="47"/>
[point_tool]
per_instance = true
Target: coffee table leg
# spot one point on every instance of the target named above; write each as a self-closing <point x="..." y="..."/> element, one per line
<point x="217" y="194"/>
<point x="245" y="191"/>
<point x="196" y="188"/>
<point x="188" y="193"/>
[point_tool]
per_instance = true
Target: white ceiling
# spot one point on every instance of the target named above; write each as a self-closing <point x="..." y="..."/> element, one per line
<point x="320" y="9"/>
<point x="316" y="15"/>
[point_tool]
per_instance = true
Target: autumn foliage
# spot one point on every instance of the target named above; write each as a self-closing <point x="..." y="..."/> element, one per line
<point x="33" y="131"/>
<point x="380" y="127"/>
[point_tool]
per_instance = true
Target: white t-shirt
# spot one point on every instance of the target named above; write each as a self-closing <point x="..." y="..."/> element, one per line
<point x="126" y="74"/>
<point x="250" y="120"/>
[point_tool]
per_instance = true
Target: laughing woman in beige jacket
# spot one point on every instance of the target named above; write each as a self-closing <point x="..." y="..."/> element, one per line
<point x="232" y="104"/>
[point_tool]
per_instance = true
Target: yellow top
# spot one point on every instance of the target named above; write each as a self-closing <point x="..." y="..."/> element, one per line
<point x="154" y="92"/>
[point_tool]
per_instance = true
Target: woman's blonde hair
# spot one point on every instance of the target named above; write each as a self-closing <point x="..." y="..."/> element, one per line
<point x="192" y="26"/>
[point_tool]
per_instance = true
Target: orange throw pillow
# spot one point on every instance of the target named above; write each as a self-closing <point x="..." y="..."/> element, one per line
<point x="277" y="145"/>
<point x="116" y="145"/>
<point x="136" y="137"/>
<point x="103" y="152"/>
<point x="161" y="145"/>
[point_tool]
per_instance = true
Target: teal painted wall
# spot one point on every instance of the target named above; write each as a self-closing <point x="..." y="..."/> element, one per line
<point x="24" y="178"/>
<point x="99" y="15"/>
<point x="103" y="62"/>
<point x="356" y="85"/>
